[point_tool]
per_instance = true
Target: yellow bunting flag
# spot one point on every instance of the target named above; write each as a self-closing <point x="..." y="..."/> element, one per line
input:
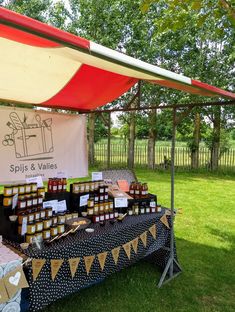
<point x="55" y="266"/>
<point x="153" y="231"/>
<point x="73" y="264"/>
<point x="134" y="244"/>
<point x="127" y="248"/>
<point x="165" y="221"/>
<point x="37" y="265"/>
<point x="88" y="263"/>
<point x="143" y="238"/>
<point x="14" y="281"/>
<point x="102" y="257"/>
<point x="3" y="292"/>
<point x="115" y="253"/>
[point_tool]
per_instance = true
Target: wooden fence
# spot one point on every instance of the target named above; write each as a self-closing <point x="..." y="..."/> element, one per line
<point x="118" y="156"/>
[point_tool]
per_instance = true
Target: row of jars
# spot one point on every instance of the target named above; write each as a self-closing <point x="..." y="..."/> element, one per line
<point x="99" y="208"/>
<point x="21" y="189"/>
<point x="57" y="185"/>
<point x="89" y="186"/>
<point x="137" y="209"/>
<point x="27" y="200"/>
<point x="105" y="216"/>
<point x="138" y="190"/>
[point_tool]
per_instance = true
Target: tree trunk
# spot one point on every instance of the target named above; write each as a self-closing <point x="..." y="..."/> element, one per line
<point x="152" y="139"/>
<point x="91" y="139"/>
<point x="196" y="141"/>
<point x="131" y="142"/>
<point x="216" y="140"/>
<point x="109" y="142"/>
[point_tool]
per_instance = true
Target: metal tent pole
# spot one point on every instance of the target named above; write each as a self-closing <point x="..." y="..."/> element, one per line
<point x="168" y="272"/>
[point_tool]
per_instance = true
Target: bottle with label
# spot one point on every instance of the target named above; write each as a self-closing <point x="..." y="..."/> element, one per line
<point x="49" y="185"/>
<point x="144" y="190"/>
<point x="54" y="186"/>
<point x="137" y="190"/>
<point x="132" y="188"/>
<point x="59" y="186"/>
<point x="64" y="183"/>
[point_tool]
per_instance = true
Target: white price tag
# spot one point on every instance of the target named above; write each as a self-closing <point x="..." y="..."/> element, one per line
<point x="152" y="204"/>
<point x="61" y="206"/>
<point x="62" y="174"/>
<point x="83" y="200"/>
<point x="97" y="176"/>
<point x="24" y="226"/>
<point x="14" y="201"/>
<point x="51" y="203"/>
<point x="37" y="180"/>
<point x="120" y="202"/>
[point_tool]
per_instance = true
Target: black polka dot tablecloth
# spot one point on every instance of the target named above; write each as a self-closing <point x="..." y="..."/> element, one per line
<point x="44" y="291"/>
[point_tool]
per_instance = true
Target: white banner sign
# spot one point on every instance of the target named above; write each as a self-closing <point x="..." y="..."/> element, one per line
<point x="37" y="143"/>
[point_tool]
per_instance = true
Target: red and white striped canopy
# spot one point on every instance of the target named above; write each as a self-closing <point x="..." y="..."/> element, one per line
<point x="45" y="66"/>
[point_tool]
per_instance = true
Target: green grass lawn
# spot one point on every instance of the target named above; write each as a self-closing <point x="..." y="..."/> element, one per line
<point x="205" y="238"/>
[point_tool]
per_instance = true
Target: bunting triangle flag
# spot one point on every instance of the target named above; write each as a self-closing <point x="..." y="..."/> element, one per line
<point x="165" y="221"/>
<point x="153" y="231"/>
<point x="73" y="264"/>
<point x="88" y="263"/>
<point x="143" y="238"/>
<point x="55" y="266"/>
<point x="127" y="248"/>
<point x="115" y="253"/>
<point x="102" y="257"/>
<point x="37" y="265"/>
<point x="134" y="244"/>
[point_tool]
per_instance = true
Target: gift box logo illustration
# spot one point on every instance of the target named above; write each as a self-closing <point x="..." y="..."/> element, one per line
<point x="29" y="139"/>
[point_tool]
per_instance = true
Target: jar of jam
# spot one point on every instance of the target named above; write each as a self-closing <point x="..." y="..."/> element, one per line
<point x="106" y="196"/>
<point x="21" y="204"/>
<point x="40" y="200"/>
<point x="42" y="213"/>
<point x="137" y="190"/>
<point x="142" y="210"/>
<point x="21" y="189"/>
<point x="90" y="202"/>
<point x="130" y="212"/>
<point x="33" y="187"/>
<point x="54" y="220"/>
<point x="54" y="231"/>
<point x="29" y="202"/>
<point x="115" y="214"/>
<point x="27" y="188"/>
<point x="64" y="183"/>
<point x="15" y="189"/>
<point x="7" y="201"/>
<point x="147" y="210"/>
<point x="96" y="218"/>
<point x="39" y="225"/>
<point x="49" y="185"/>
<point x="54" y="186"/>
<point x="31" y="216"/>
<point x="22" y="216"/>
<point x="90" y="211"/>
<point x="8" y="190"/>
<point x="68" y="216"/>
<point x="37" y="215"/>
<point x="92" y="186"/>
<point x="106" y="207"/>
<point x="31" y="228"/>
<point x="59" y="186"/>
<point x="132" y="188"/>
<point x="101" y="197"/>
<point x="48" y="212"/>
<point x="87" y="187"/>
<point x="75" y="188"/>
<point x="96" y="198"/>
<point x="96" y="209"/>
<point x="101" y="217"/>
<point x="75" y="215"/>
<point x="110" y="205"/>
<point x="47" y="223"/>
<point x="41" y="191"/>
<point x="61" y="218"/>
<point x="159" y="208"/>
<point x="34" y="200"/>
<point x="101" y="208"/>
<point x="61" y="228"/>
<point x="82" y="187"/>
<point x="29" y="238"/>
<point x="136" y="208"/>
<point x="46" y="234"/>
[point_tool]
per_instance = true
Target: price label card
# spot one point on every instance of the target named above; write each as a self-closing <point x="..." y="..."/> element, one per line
<point x="120" y="202"/>
<point x="14" y="201"/>
<point x="97" y="176"/>
<point x="83" y="200"/>
<point x="62" y="174"/>
<point x="37" y="180"/>
<point x="51" y="203"/>
<point x="152" y="204"/>
<point x="24" y="226"/>
<point x="61" y="206"/>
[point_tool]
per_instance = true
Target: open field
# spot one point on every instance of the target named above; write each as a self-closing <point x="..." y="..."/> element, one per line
<point x="205" y="238"/>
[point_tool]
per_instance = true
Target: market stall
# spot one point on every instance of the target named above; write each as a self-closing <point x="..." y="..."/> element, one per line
<point x="73" y="73"/>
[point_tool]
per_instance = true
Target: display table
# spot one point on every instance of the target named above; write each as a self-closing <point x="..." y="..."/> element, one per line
<point x="44" y="290"/>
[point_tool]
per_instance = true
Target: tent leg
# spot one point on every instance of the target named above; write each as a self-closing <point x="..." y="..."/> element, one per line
<point x="169" y="269"/>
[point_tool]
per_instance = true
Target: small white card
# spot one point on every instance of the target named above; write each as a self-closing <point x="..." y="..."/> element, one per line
<point x="152" y="204"/>
<point x="14" y="201"/>
<point x="62" y="174"/>
<point x="120" y="202"/>
<point x="51" y="203"/>
<point x="24" y="226"/>
<point x="37" y="180"/>
<point x="83" y="200"/>
<point x="61" y="206"/>
<point x="97" y="176"/>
